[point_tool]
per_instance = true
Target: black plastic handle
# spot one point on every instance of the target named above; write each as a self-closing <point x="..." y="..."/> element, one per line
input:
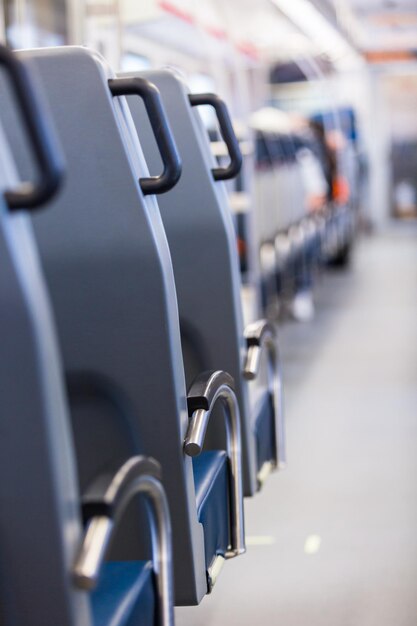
<point x="48" y="157"/>
<point x="228" y="134"/>
<point x="136" y="86"/>
<point x="205" y="387"/>
<point x="111" y="492"/>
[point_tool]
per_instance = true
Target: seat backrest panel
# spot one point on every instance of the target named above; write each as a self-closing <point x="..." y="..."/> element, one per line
<point x="202" y="240"/>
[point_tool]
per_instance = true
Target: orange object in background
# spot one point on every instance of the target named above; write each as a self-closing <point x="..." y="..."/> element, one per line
<point x="341" y="191"/>
<point x="316" y="202"/>
<point x="241" y="247"/>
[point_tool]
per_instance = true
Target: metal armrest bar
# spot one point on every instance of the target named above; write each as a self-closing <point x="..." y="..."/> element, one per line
<point x="261" y="335"/>
<point x="103" y="506"/>
<point x="207" y="389"/>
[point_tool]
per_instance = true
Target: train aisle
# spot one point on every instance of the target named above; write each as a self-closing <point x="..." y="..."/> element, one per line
<point x="332" y="540"/>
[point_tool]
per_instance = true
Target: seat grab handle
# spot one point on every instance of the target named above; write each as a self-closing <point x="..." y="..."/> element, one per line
<point x="228" y="134"/>
<point x="42" y="141"/>
<point x="149" y="93"/>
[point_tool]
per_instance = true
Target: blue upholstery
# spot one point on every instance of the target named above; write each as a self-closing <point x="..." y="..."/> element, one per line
<point x="211" y="478"/>
<point x="264" y="430"/>
<point x="125" y="595"/>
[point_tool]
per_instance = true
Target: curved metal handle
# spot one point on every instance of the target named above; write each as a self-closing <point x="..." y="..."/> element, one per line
<point x="136" y="86"/>
<point x="228" y="134"/>
<point x="43" y="144"/>
<point x="104" y="504"/>
<point x="261" y="335"/>
<point x="206" y="390"/>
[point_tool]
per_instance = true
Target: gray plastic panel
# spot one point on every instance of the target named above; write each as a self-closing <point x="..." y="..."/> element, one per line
<point x="202" y="240"/>
<point x="109" y="272"/>
<point x="40" y="528"/>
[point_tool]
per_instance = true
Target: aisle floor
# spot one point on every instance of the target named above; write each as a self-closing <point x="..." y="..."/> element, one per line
<point x="332" y="541"/>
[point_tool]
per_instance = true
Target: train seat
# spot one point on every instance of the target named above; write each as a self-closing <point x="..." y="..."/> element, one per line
<point x="282" y="220"/>
<point x="206" y="271"/>
<point x="49" y="564"/>
<point x="109" y="273"/>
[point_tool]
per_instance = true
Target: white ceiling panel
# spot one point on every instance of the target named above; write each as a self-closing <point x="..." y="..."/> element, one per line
<point x="379" y="24"/>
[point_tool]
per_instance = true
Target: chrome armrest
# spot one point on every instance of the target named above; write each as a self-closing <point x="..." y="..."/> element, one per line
<point x="296" y="236"/>
<point x="206" y="390"/>
<point x="282" y="247"/>
<point x="261" y="335"/>
<point x="104" y="504"/>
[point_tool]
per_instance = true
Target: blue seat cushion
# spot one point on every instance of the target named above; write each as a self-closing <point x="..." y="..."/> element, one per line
<point x="211" y="478"/>
<point x="125" y="595"/>
<point x="264" y="430"/>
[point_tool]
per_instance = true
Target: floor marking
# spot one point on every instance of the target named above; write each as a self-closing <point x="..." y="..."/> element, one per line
<point x="312" y="544"/>
<point x="260" y="540"/>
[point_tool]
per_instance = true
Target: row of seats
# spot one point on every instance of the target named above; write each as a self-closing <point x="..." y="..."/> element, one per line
<point x="138" y="410"/>
<point x="301" y="221"/>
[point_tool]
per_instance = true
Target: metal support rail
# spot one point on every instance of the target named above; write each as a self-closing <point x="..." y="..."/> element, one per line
<point x="207" y="389"/>
<point x="261" y="335"/>
<point x="103" y="506"/>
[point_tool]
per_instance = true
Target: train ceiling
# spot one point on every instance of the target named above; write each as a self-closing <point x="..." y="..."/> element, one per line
<point x="342" y="31"/>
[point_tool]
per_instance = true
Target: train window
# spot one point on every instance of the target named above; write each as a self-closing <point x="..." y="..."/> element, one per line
<point x="34" y="24"/>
